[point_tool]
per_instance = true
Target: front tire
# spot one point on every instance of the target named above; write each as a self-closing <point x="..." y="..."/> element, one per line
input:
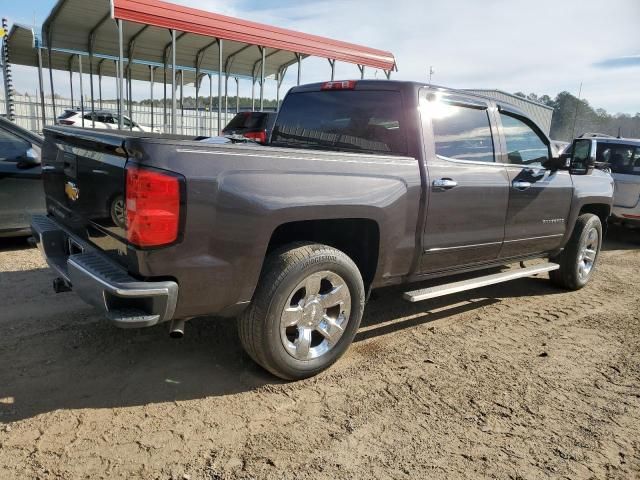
<point x="578" y="259"/>
<point x="305" y="311"/>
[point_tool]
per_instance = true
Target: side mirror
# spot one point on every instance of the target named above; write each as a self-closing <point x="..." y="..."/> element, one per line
<point x="556" y="163"/>
<point x="31" y="159"/>
<point x="583" y="156"/>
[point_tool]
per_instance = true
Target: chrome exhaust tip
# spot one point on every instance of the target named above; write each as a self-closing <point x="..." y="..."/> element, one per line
<point x="176" y="330"/>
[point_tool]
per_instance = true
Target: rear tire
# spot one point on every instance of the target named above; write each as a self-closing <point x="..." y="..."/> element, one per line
<point x="580" y="255"/>
<point x="305" y="311"/>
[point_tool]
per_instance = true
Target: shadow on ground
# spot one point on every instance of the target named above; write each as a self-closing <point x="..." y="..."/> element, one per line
<point x="57" y="353"/>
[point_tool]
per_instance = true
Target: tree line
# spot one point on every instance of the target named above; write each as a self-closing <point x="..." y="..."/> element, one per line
<point x="573" y="116"/>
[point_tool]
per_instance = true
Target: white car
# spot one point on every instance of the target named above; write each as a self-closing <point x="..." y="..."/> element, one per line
<point x="103" y="119"/>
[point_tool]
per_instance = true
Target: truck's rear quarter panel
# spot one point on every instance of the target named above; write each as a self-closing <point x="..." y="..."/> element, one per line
<point x="237" y="196"/>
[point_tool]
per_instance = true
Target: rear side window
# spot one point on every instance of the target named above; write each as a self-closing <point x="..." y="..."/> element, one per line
<point x="524" y="145"/>
<point x="344" y="120"/>
<point x="624" y="159"/>
<point x="462" y="133"/>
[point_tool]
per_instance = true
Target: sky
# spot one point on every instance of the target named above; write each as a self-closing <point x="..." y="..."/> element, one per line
<point x="540" y="46"/>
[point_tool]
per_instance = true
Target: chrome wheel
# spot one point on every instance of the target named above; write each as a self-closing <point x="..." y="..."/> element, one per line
<point x="315" y="315"/>
<point x="118" y="212"/>
<point x="588" y="253"/>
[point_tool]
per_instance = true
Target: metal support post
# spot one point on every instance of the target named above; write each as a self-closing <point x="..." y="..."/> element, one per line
<point x="237" y="95"/>
<point x="210" y="105"/>
<point x="71" y="78"/>
<point x="262" y="67"/>
<point x="151" y="70"/>
<point x="93" y="103"/>
<point x="226" y="98"/>
<point x="181" y="102"/>
<point x="81" y="89"/>
<point x="120" y="73"/>
<point x="299" y="58"/>
<point x="333" y="69"/>
<point x="53" y="96"/>
<point x="174" y="127"/>
<point x="220" y="42"/>
<point x="41" y="84"/>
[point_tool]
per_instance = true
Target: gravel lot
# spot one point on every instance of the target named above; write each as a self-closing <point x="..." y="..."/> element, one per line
<point x="518" y="381"/>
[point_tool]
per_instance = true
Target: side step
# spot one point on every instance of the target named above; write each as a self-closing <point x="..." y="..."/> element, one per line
<point x="455" y="287"/>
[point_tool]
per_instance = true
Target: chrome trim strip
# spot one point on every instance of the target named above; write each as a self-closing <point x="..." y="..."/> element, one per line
<point x="440" y="249"/>
<point x="381" y="161"/>
<point x="535" y="238"/>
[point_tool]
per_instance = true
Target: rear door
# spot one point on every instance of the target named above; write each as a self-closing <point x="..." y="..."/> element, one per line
<point x="21" y="193"/>
<point x="539" y="199"/>
<point x="468" y="190"/>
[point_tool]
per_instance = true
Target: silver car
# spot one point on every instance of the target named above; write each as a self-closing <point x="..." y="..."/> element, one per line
<point x="622" y="156"/>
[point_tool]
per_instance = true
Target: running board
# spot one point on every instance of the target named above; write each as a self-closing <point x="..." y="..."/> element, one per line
<point x="455" y="287"/>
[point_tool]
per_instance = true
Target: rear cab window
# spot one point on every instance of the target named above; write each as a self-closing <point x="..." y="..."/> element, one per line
<point x="362" y="121"/>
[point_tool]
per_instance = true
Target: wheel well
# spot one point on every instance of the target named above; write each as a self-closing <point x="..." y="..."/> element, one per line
<point x="359" y="238"/>
<point x="598" y="209"/>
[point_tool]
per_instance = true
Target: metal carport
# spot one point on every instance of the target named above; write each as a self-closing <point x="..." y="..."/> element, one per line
<point x="174" y="38"/>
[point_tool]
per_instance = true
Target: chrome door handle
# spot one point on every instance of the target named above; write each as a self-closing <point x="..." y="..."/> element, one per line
<point x="444" y="183"/>
<point x="521" y="185"/>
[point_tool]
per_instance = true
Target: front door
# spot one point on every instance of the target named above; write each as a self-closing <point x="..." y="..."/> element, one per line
<point x="21" y="193"/>
<point x="468" y="190"/>
<point x="539" y="199"/>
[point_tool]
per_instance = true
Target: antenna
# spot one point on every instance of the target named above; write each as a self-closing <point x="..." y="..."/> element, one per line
<point x="431" y="72"/>
<point x="575" y="117"/>
<point x="619" y="132"/>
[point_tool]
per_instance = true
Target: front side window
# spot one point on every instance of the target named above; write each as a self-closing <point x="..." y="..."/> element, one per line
<point x="524" y="145"/>
<point x="624" y="159"/>
<point x="461" y="133"/>
<point x="343" y="120"/>
<point x="12" y="147"/>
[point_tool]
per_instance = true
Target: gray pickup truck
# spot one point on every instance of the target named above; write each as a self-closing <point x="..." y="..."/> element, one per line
<point x="363" y="185"/>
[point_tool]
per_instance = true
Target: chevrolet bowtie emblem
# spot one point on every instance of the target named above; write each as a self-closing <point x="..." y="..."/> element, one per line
<point x="72" y="191"/>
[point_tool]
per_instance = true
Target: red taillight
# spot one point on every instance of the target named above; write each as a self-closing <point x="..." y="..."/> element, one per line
<point x="628" y="215"/>
<point x="341" y="85"/>
<point x="153" y="207"/>
<point x="260" y="136"/>
<point x="66" y="122"/>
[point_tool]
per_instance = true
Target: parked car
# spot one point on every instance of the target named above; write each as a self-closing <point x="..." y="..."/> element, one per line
<point x="103" y="119"/>
<point x="255" y="125"/>
<point x="621" y="158"/>
<point x="364" y="184"/>
<point x="21" y="193"/>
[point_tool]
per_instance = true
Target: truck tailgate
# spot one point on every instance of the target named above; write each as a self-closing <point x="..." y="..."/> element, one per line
<point x="84" y="182"/>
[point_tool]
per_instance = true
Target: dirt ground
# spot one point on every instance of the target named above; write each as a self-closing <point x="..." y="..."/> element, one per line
<point x="518" y="381"/>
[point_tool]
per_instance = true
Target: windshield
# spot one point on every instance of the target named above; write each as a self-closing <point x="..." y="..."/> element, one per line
<point x="347" y="120"/>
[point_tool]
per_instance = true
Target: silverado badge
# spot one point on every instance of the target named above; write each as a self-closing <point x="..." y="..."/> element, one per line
<point x="72" y="191"/>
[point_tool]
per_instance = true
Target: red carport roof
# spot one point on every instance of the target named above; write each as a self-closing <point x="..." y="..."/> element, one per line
<point x="200" y="22"/>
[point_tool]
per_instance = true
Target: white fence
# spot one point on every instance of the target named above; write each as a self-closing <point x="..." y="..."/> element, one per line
<point x="189" y="121"/>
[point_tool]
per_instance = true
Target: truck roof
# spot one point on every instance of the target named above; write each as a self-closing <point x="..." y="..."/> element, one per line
<point x="406" y="85"/>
